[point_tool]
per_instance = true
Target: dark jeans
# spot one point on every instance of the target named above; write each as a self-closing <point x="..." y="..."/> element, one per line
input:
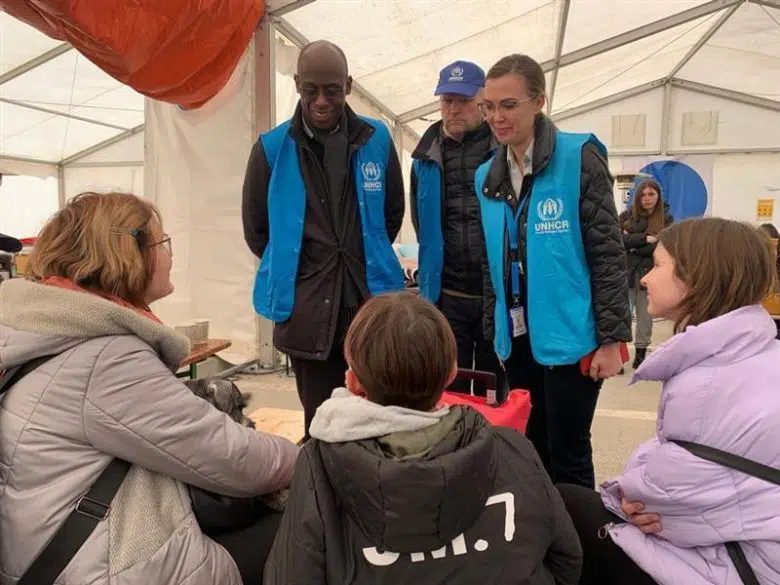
<point x="474" y="351"/>
<point x="251" y="546"/>
<point x="563" y="403"/>
<point x="316" y="380"/>
<point x="604" y="562"/>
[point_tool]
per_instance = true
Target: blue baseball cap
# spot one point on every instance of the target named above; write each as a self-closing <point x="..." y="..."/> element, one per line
<point x="461" y="78"/>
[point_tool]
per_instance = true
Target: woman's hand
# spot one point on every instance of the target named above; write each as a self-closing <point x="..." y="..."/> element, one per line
<point x="652" y="239"/>
<point x="634" y="511"/>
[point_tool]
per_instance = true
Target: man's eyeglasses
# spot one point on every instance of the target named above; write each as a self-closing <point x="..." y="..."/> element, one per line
<point x="331" y="92"/>
<point x="504" y="107"/>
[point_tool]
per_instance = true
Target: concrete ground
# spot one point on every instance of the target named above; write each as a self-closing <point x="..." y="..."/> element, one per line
<point x="625" y="416"/>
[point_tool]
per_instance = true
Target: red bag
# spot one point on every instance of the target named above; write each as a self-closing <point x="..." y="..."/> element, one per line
<point x="513" y="412"/>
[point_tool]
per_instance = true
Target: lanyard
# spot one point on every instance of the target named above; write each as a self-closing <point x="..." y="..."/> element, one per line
<point x="512" y="220"/>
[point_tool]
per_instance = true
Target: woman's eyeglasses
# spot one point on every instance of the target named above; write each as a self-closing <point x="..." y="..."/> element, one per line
<point x="165" y="243"/>
<point x="140" y="238"/>
<point x="504" y="107"/>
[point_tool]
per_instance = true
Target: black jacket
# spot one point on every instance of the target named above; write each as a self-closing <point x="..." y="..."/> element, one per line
<point x="10" y="244"/>
<point x="331" y="281"/>
<point x="461" y="221"/>
<point x="349" y="497"/>
<point x="639" y="253"/>
<point x="601" y="233"/>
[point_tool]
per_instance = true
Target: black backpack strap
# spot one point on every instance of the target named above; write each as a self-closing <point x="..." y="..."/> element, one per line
<point x="737" y="556"/>
<point x="732" y="461"/>
<point x="13" y="375"/>
<point x="748" y="467"/>
<point x="91" y="508"/>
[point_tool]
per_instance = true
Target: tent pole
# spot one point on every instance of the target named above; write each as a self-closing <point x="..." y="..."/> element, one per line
<point x="60" y="186"/>
<point x="264" y="110"/>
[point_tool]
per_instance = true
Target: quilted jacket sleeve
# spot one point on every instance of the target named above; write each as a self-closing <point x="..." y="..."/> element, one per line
<point x="696" y="499"/>
<point x="298" y="553"/>
<point x="488" y="295"/>
<point x="137" y="410"/>
<point x="604" y="249"/>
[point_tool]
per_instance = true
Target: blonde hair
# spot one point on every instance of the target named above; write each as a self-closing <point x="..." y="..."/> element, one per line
<point x="724" y="264"/>
<point x="402" y="350"/>
<point x="102" y="242"/>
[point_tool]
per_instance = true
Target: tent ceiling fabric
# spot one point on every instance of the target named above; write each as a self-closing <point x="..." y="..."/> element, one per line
<point x="65" y="104"/>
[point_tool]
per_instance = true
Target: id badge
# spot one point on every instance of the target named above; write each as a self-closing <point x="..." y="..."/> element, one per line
<point x="517" y="316"/>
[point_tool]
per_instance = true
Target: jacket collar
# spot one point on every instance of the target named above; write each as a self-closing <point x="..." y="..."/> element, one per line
<point x="27" y="306"/>
<point x="730" y="338"/>
<point x="358" y="131"/>
<point x="497" y="183"/>
<point x="431" y="144"/>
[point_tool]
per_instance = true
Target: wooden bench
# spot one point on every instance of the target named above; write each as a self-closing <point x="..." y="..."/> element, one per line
<point x="201" y="353"/>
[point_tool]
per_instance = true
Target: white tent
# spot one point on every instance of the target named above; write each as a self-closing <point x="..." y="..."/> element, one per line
<point x="690" y="80"/>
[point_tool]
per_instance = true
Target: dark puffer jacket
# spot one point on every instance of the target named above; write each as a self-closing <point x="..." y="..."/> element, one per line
<point x="601" y="234"/>
<point x="476" y="507"/>
<point x="639" y="253"/>
<point x="461" y="220"/>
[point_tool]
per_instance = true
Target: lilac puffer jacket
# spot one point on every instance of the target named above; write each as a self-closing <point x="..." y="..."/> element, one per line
<point x="722" y="389"/>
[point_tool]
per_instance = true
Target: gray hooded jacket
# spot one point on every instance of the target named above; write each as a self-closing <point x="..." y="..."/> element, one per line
<point x="111" y="392"/>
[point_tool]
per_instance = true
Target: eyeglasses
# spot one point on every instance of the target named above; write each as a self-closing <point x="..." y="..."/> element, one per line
<point x="504" y="107"/>
<point x="165" y="243"/>
<point x="330" y="92"/>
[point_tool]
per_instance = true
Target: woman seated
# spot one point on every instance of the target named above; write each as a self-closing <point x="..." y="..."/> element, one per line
<point x="110" y="391"/>
<point x="669" y="517"/>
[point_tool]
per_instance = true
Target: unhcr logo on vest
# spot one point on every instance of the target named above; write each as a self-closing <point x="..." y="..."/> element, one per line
<point x="550" y="212"/>
<point x="372" y="176"/>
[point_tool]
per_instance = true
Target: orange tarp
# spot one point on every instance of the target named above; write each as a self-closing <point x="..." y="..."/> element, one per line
<point x="178" y="51"/>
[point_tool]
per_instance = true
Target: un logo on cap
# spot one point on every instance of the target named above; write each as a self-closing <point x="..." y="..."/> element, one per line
<point x="456" y="71"/>
<point x="550" y="209"/>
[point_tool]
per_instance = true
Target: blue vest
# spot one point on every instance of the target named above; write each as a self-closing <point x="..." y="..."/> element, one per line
<point x="559" y="304"/>
<point x="274" y="293"/>
<point x="431" y="254"/>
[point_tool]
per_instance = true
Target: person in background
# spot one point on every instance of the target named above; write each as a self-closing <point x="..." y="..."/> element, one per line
<point x="770" y="230"/>
<point x="445" y="213"/>
<point x="110" y="391"/>
<point x="323" y="201"/>
<point x="394" y="490"/>
<point x="666" y="518"/>
<point x="556" y="291"/>
<point x="641" y="225"/>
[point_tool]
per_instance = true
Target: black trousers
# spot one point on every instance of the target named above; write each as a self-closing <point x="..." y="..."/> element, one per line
<point x="251" y="546"/>
<point x="474" y="351"/>
<point x="316" y="380"/>
<point x="605" y="563"/>
<point x="563" y="404"/>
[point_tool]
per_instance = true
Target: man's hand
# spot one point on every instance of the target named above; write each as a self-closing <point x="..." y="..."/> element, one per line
<point x="606" y="361"/>
<point x="647" y="523"/>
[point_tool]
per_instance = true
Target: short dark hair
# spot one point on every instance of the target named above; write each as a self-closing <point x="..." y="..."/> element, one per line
<point x="525" y="67"/>
<point x="402" y="350"/>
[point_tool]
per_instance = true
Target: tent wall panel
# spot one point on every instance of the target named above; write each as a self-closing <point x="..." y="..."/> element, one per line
<point x="195" y="164"/>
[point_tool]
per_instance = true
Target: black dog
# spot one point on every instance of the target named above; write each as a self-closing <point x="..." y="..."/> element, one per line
<point x="224" y="395"/>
